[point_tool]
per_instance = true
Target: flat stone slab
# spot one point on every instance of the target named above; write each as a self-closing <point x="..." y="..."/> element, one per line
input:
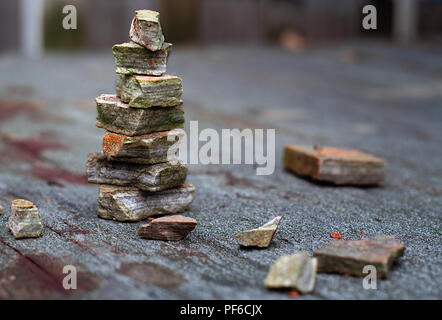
<point x="25" y="220"/>
<point x="131" y="58"/>
<point x="260" y="237"/>
<point x="118" y="117"/>
<point x="153" y="178"/>
<point x="350" y="257"/>
<point x="297" y="271"/>
<point x="149" y="91"/>
<point x="146" y="29"/>
<point x="168" y="228"/>
<point x="133" y="204"/>
<point x="333" y="165"/>
<point x="149" y="148"/>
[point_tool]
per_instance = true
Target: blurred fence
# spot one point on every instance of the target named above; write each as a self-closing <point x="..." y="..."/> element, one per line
<point x="105" y="22"/>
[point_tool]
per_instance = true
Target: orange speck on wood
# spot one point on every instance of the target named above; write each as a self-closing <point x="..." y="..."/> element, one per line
<point x="336" y="235"/>
<point x="293" y="294"/>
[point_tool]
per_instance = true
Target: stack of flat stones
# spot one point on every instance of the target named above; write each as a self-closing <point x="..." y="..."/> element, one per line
<point x="137" y="170"/>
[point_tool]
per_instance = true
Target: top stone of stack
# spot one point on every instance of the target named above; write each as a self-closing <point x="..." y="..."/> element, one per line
<point x="146" y="30"/>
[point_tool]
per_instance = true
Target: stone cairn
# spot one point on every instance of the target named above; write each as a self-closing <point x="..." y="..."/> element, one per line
<point x="137" y="177"/>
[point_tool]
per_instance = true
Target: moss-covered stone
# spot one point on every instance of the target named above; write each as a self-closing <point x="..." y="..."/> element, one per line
<point x="149" y="91"/>
<point x="118" y="117"/>
<point x="131" y="58"/>
<point x="145" y="29"/>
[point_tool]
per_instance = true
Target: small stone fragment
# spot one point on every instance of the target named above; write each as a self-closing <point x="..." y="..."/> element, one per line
<point x="146" y="29"/>
<point x="175" y="227"/>
<point x="25" y="220"/>
<point x="337" y="166"/>
<point x="131" y="58"/>
<point x="133" y="204"/>
<point x="297" y="271"/>
<point x="148" y="91"/>
<point x="261" y="237"/>
<point x="350" y="257"/>
<point x="153" y="178"/>
<point x="148" y="148"/>
<point x="118" y="117"/>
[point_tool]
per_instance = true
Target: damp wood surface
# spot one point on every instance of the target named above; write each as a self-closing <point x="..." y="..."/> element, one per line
<point x="376" y="98"/>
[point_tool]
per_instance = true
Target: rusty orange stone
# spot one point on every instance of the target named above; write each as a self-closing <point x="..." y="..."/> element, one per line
<point x="112" y="143"/>
<point x="333" y="165"/>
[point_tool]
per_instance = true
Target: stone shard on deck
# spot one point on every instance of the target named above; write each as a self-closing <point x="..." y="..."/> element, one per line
<point x="131" y="58"/>
<point x="25" y="220"/>
<point x="118" y="117"/>
<point x="133" y="204"/>
<point x="149" y="91"/>
<point x="146" y="29"/>
<point x="149" y="148"/>
<point x="260" y="237"/>
<point x="175" y="227"/>
<point x="350" y="257"/>
<point x="153" y="178"/>
<point x="297" y="271"/>
<point x="332" y="165"/>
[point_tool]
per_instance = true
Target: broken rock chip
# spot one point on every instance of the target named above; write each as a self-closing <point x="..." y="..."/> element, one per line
<point x="148" y="91"/>
<point x="337" y="166"/>
<point x="153" y="178"/>
<point x="133" y="204"/>
<point x="146" y="29"/>
<point x="175" y="227"/>
<point x="261" y="237"/>
<point x="131" y="58"/>
<point x="116" y="116"/>
<point x="150" y="148"/>
<point x="350" y="257"/>
<point x="25" y="220"/>
<point x="297" y="271"/>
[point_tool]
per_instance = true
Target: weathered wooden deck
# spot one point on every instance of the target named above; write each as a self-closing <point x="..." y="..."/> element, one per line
<point x="374" y="97"/>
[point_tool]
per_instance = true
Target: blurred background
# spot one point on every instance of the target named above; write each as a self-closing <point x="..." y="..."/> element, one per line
<point x="32" y="26"/>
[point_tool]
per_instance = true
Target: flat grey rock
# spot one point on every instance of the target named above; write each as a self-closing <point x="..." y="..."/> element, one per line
<point x="133" y="204"/>
<point x="153" y="178"/>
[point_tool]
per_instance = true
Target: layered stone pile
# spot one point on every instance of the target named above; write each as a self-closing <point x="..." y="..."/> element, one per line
<point x="137" y="170"/>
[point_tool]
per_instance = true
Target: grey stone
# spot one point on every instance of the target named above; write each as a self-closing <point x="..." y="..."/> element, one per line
<point x="133" y="204"/>
<point x="153" y="178"/>
<point x="25" y="220"/>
